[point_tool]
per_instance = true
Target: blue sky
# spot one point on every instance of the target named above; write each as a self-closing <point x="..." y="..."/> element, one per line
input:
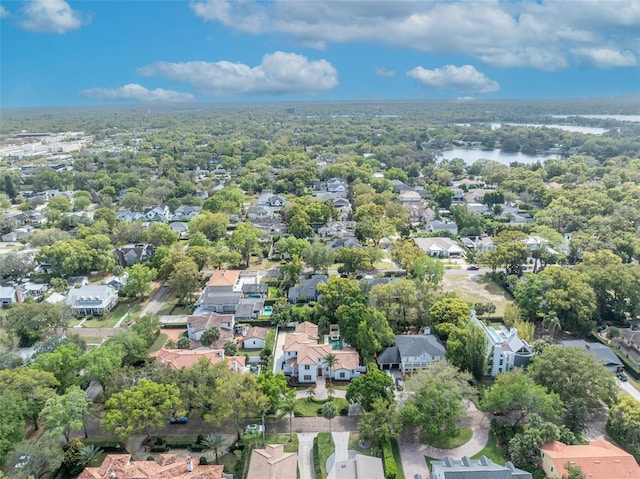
<point x="57" y="52"/>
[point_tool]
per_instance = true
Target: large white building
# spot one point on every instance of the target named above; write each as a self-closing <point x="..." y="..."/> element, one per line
<point x="505" y="350"/>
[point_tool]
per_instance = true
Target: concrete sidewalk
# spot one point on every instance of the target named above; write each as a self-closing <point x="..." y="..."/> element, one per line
<point x="305" y="455"/>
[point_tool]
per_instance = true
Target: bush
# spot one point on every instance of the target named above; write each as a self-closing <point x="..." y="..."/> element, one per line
<point x="319" y="411"/>
<point x="151" y="458"/>
<point x="316" y="458"/>
<point x="203" y="461"/>
<point x="297" y="413"/>
<point x="160" y="448"/>
<point x="344" y="411"/>
<point x="196" y="447"/>
<point x="200" y="439"/>
<point x="160" y="441"/>
<point x="390" y="466"/>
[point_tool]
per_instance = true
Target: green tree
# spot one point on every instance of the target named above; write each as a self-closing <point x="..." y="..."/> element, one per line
<point x="364" y="327"/>
<point x="13" y="410"/>
<point x="147" y="327"/>
<point x="288" y="406"/>
<point x="437" y="403"/>
<point x="161" y="234"/>
<point x="290" y="245"/>
<point x="212" y="225"/>
<point x="353" y="259"/>
<point x="64" y="363"/>
<point x="138" y="282"/>
<point x="398" y="300"/>
<point x="103" y="361"/>
<point x="299" y="227"/>
<point x="404" y="252"/>
<point x="185" y="280"/>
<point x="142" y="408"/>
<point x="28" y="321"/>
<point x="377" y="431"/>
<point x="510" y="252"/>
<point x="245" y="240"/>
<point x="370" y="387"/>
<point x="338" y="291"/>
<point x="68" y="257"/>
<point x="467" y="350"/>
<point x="31" y="387"/>
<point x="573" y="472"/>
<point x="448" y="314"/>
<point x="318" y="256"/>
<point x="329" y="411"/>
<point x="574" y="373"/>
<point x="426" y="268"/>
<point x="576" y="415"/>
<point x="201" y="256"/>
<point x="66" y="413"/>
<point x="35" y="459"/>
<point x="16" y="265"/>
<point x="210" y="336"/>
<point x="624" y="424"/>
<point x="516" y="397"/>
<point x="230" y="348"/>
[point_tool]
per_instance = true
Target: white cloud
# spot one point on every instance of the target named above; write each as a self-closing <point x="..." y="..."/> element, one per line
<point x="605" y="57"/>
<point x="384" y="72"/>
<point x="500" y="33"/>
<point x="279" y="73"/>
<point x="135" y="92"/>
<point x="4" y="12"/>
<point x="450" y="77"/>
<point x="51" y="16"/>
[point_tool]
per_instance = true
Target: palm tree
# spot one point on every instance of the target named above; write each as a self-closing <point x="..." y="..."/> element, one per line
<point x="331" y="392"/>
<point x="288" y="407"/>
<point x="331" y="360"/>
<point x="214" y="442"/>
<point x="210" y="336"/>
<point x="329" y="411"/>
<point x="310" y="393"/>
<point x="87" y="454"/>
<point x="551" y="322"/>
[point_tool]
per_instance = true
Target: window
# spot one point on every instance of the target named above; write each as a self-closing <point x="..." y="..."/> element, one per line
<point x="306" y="367"/>
<point x="307" y="377"/>
<point x="343" y="375"/>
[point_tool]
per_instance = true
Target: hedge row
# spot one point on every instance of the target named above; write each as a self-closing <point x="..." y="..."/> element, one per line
<point x="316" y="458"/>
<point x="390" y="466"/>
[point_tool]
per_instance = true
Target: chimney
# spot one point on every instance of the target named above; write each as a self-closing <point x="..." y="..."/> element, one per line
<point x="234" y="365"/>
<point x="427" y="330"/>
<point x="513" y="332"/>
<point x="189" y="465"/>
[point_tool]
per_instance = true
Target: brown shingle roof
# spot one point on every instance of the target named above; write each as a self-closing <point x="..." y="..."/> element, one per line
<point x="204" y="322"/>
<point x="166" y="466"/>
<point x="256" y="332"/>
<point x="308" y="328"/>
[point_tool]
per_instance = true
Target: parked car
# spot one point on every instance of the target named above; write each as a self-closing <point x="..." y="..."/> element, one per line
<point x="254" y="428"/>
<point x="179" y="420"/>
<point x="622" y="377"/>
<point x="473" y="267"/>
<point x="400" y="384"/>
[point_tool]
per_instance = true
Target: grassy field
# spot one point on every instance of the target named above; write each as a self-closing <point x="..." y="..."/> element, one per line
<point x="326" y="447"/>
<point x="158" y="343"/>
<point x="481" y="290"/>
<point x="396" y="455"/>
<point x="290" y="442"/>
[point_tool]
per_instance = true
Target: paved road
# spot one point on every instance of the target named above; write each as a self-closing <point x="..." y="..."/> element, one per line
<point x="155" y="304"/>
<point x="628" y="388"/>
<point x="305" y="455"/>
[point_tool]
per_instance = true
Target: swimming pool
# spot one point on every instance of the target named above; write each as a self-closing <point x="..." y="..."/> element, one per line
<point x="267" y="311"/>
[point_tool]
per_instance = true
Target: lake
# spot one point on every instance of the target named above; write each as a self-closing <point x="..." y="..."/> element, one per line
<point x="632" y="118"/>
<point x="572" y="128"/>
<point x="506" y="158"/>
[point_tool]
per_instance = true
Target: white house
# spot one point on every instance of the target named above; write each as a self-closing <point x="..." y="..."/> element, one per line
<point x="505" y="350"/>
<point x="255" y="338"/>
<point x="440" y="247"/>
<point x="7" y="296"/>
<point x="92" y="300"/>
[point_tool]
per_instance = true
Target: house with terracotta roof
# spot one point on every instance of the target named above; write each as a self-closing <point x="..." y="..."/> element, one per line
<point x="165" y="466"/>
<point x="598" y="460"/>
<point x="304" y="359"/>
<point x="273" y="463"/>
<point x="224" y="280"/>
<point x="186" y="358"/>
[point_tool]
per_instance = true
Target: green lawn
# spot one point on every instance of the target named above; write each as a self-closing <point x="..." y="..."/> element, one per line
<point x="310" y="408"/>
<point x="158" y="343"/>
<point x="274" y="293"/>
<point x="442" y="442"/>
<point x="229" y="461"/>
<point x="493" y="451"/>
<point x="290" y="443"/>
<point x="326" y="447"/>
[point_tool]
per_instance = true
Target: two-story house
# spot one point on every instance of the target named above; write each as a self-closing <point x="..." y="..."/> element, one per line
<point x="92" y="300"/>
<point x="411" y="353"/>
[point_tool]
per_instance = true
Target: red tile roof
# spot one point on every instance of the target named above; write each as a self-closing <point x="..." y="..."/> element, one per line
<point x="166" y="466"/>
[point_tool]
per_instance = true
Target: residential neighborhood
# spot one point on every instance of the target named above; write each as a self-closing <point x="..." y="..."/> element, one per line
<point x="251" y="307"/>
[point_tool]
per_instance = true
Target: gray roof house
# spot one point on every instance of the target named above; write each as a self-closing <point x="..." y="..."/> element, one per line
<point x="440" y="247"/>
<point x="307" y="289"/>
<point x="411" y="352"/>
<point x="359" y="467"/>
<point x="483" y="468"/>
<point x="92" y="300"/>
<point x="602" y="353"/>
<point x="218" y="302"/>
<point x="185" y="213"/>
<point x="7" y="295"/>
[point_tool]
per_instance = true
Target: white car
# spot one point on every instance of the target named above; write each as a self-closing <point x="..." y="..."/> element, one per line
<point x="255" y="428"/>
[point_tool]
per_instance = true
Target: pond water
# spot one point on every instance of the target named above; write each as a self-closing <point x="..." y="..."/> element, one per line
<point x="506" y="158"/>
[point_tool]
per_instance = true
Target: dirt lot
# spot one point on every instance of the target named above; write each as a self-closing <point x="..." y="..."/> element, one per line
<point x="476" y="288"/>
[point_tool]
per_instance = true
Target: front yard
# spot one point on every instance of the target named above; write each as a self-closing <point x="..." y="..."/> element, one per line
<point x="478" y="289"/>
